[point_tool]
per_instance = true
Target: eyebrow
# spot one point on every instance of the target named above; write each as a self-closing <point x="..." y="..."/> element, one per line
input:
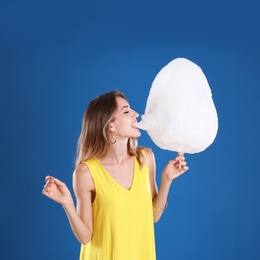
<point x="124" y="107"/>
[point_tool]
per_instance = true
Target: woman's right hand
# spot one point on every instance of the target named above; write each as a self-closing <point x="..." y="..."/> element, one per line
<point x="57" y="191"/>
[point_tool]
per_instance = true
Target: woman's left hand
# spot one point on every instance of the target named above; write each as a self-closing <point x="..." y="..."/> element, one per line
<point x="175" y="168"/>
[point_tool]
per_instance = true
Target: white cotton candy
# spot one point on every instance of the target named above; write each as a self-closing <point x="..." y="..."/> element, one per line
<point x="180" y="114"/>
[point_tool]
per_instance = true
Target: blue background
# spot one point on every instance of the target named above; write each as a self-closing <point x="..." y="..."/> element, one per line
<point x="55" y="56"/>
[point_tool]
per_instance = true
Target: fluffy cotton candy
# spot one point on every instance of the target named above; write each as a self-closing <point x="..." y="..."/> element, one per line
<point x="180" y="114"/>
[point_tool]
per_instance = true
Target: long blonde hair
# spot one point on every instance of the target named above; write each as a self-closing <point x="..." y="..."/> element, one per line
<point x="93" y="141"/>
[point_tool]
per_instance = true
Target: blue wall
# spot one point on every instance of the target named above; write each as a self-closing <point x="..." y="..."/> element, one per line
<point x="55" y="56"/>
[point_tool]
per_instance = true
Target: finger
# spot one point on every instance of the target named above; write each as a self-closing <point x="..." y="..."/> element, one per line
<point x="180" y="165"/>
<point x="180" y="157"/>
<point x="55" y="180"/>
<point x="180" y="154"/>
<point x="173" y="160"/>
<point x="48" y="178"/>
<point x="48" y="184"/>
<point x="45" y="192"/>
<point x="185" y="168"/>
<point x="180" y="160"/>
<point x="49" y="188"/>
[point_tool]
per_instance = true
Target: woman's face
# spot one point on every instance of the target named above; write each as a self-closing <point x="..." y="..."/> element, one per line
<point x="125" y="118"/>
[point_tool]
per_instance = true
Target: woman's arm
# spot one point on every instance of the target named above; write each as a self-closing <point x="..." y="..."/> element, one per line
<point x="80" y="219"/>
<point x="172" y="170"/>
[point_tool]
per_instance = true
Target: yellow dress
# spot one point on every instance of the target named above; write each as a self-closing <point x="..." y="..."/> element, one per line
<point x="122" y="219"/>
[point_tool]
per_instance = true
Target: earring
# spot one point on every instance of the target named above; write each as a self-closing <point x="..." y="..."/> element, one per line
<point x="116" y="138"/>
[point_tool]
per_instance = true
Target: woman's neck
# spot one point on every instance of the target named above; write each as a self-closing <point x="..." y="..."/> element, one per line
<point x="117" y="155"/>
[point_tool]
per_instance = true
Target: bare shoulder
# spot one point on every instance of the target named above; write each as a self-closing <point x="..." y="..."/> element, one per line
<point x="82" y="178"/>
<point x="149" y="154"/>
<point x="152" y="169"/>
<point x="81" y="169"/>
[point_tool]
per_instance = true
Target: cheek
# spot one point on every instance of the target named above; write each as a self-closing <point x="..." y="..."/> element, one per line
<point x="119" y="126"/>
<point x="123" y="128"/>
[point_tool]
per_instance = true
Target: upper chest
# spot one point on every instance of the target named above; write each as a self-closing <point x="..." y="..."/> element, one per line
<point x="122" y="174"/>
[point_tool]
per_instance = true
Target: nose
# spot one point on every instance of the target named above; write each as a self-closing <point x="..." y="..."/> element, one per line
<point x="135" y="114"/>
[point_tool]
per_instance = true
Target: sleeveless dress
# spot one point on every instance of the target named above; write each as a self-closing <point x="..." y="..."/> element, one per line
<point x="123" y="227"/>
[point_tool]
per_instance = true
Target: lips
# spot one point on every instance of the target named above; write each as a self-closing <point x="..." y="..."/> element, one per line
<point x="135" y="125"/>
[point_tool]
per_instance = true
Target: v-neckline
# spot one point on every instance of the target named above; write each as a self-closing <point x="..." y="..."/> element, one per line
<point x="119" y="185"/>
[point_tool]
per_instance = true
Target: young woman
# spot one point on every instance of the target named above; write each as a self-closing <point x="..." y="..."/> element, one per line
<point x="114" y="184"/>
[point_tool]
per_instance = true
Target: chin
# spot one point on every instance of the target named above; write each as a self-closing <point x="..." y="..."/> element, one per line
<point x="137" y="135"/>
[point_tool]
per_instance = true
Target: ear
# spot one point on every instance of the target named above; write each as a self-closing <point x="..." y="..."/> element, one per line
<point x="111" y="127"/>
